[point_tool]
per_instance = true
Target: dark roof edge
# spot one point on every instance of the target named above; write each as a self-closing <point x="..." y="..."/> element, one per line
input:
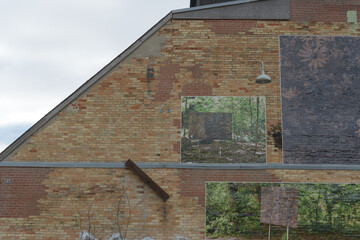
<point x="239" y="10"/>
<point x="216" y="5"/>
<point x="20" y="140"/>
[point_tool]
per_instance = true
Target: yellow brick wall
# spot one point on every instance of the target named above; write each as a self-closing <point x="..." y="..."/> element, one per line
<point x="120" y="117"/>
<point x="124" y="116"/>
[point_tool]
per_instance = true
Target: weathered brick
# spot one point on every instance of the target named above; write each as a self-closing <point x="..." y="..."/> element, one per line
<point x="130" y="115"/>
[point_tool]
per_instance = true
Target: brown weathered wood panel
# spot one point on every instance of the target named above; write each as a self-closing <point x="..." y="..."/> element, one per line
<point x="207" y="125"/>
<point x="279" y="206"/>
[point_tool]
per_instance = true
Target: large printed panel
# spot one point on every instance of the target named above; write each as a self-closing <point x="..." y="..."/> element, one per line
<point x="320" y="87"/>
<point x="311" y="211"/>
<point x="223" y="130"/>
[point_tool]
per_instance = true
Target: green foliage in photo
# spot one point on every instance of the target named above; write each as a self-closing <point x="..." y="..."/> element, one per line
<point x="325" y="211"/>
<point x="248" y="133"/>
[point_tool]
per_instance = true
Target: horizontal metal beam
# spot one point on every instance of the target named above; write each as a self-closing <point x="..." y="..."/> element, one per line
<point x="175" y="165"/>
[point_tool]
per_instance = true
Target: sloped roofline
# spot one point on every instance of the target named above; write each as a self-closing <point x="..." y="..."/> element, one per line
<point x="78" y="92"/>
<point x="175" y="14"/>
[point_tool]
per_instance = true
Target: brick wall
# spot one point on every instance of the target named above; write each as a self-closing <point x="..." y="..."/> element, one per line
<point x="73" y="196"/>
<point x="128" y="114"/>
<point x="327" y="11"/>
<point x="124" y="110"/>
<point x="63" y="204"/>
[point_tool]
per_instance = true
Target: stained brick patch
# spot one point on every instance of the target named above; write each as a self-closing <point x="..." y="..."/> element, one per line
<point x="20" y="190"/>
<point x="231" y="26"/>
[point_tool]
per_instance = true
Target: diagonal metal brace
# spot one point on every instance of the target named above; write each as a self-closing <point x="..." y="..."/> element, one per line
<point x="153" y="185"/>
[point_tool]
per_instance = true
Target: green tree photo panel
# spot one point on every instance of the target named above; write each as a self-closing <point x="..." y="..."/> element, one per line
<point x="312" y="211"/>
<point x="223" y="129"/>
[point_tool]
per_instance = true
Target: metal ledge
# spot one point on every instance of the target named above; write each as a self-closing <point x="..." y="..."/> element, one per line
<point x="173" y="165"/>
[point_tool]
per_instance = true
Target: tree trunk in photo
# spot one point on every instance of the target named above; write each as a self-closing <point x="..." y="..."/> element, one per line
<point x="234" y="188"/>
<point x="251" y="117"/>
<point x="258" y="193"/>
<point x="329" y="208"/>
<point x="183" y="117"/>
<point x="257" y="125"/>
<point x="317" y="211"/>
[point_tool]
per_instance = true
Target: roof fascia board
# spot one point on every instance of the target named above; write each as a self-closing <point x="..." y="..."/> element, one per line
<point x="19" y="141"/>
<point x="210" y="6"/>
<point x="245" y="9"/>
<point x="175" y="165"/>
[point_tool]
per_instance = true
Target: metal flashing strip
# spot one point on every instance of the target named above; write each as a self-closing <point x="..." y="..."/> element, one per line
<point x="239" y="10"/>
<point x="174" y="165"/>
<point x="204" y="7"/>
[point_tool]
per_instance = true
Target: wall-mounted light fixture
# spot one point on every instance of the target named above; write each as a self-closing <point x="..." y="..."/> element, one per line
<point x="263" y="78"/>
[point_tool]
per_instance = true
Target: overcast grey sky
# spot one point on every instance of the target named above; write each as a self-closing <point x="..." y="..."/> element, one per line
<point x="48" y="48"/>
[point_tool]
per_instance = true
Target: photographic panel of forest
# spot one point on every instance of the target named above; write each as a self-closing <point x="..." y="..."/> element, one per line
<point x="240" y="211"/>
<point x="223" y="129"/>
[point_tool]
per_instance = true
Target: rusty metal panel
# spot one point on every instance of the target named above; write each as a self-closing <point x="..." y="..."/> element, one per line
<point x="279" y="206"/>
<point x="206" y="125"/>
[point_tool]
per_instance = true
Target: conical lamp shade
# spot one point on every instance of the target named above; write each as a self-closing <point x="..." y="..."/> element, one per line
<point x="263" y="78"/>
